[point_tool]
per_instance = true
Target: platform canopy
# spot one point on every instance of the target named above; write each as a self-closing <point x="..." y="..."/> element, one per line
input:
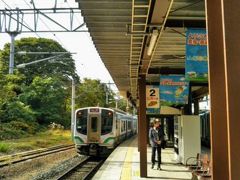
<point x="122" y="31"/>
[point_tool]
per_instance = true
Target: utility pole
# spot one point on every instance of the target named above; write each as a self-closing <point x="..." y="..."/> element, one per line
<point x="106" y="92"/>
<point x="12" y="34"/>
<point x="73" y="107"/>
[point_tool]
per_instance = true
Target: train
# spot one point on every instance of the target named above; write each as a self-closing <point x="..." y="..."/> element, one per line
<point x="98" y="130"/>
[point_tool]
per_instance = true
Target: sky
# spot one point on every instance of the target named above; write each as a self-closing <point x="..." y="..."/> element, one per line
<point x="87" y="59"/>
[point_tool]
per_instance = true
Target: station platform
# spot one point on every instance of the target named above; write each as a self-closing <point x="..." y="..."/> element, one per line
<point x="124" y="164"/>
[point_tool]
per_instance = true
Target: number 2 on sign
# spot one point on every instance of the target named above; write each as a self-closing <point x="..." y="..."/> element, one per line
<point x="152" y="92"/>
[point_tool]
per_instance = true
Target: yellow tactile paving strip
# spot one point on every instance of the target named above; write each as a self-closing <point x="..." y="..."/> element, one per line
<point x="127" y="166"/>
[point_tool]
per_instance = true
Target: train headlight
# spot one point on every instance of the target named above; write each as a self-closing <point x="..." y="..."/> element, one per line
<point x="93" y="146"/>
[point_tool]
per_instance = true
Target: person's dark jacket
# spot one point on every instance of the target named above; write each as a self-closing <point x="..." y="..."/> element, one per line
<point x="161" y="133"/>
<point x="155" y="136"/>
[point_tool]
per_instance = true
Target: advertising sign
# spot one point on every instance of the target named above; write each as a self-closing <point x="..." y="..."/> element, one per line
<point x="152" y="100"/>
<point x="174" y="90"/>
<point x="196" y="55"/>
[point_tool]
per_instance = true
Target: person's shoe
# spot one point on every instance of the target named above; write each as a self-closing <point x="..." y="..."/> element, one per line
<point x="152" y="166"/>
<point x="159" y="168"/>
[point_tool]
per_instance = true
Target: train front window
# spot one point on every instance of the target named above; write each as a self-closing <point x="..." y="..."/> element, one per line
<point x="107" y="122"/>
<point x="81" y="121"/>
<point x="94" y="121"/>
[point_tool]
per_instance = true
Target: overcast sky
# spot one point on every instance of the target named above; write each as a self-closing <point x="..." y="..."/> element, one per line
<point x="87" y="60"/>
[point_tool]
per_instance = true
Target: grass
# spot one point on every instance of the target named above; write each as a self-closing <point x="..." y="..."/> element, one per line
<point x="41" y="140"/>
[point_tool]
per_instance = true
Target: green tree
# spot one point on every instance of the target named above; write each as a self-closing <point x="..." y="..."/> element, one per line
<point x="122" y="104"/>
<point x="46" y="96"/>
<point x="92" y="93"/>
<point x="62" y="66"/>
<point x="10" y="107"/>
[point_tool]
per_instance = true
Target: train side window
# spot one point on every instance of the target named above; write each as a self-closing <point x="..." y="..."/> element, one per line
<point x="94" y="121"/>
<point x="122" y="126"/>
<point x="129" y="125"/>
<point x="107" y="122"/>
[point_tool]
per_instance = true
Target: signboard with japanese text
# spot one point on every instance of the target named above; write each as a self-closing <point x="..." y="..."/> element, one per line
<point x="196" y="55"/>
<point x="174" y="90"/>
<point x="152" y="99"/>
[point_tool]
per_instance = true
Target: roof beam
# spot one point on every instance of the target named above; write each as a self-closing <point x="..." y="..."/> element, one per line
<point x="200" y="92"/>
<point x="165" y="70"/>
<point x="185" y="23"/>
<point x="160" y="12"/>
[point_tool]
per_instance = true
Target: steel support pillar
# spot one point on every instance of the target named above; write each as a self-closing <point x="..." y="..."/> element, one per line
<point x="224" y="44"/>
<point x="139" y="129"/>
<point x="231" y="35"/>
<point x="217" y="91"/>
<point x="142" y="126"/>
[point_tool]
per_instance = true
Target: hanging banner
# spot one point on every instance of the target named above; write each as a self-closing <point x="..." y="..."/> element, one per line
<point x="196" y="66"/>
<point x="174" y="90"/>
<point x="152" y="100"/>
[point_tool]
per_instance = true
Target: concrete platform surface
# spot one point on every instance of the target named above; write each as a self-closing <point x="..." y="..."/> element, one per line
<point x="124" y="164"/>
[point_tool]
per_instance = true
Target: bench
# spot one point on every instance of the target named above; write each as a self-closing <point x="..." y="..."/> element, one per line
<point x="200" y="166"/>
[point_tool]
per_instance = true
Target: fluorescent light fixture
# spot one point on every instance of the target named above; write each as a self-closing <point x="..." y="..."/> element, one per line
<point x="152" y="42"/>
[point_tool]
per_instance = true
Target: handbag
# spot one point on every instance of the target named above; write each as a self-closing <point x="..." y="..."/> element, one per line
<point x="163" y="144"/>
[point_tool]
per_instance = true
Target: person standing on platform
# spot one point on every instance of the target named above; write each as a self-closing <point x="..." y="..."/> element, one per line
<point x="151" y="125"/>
<point x="156" y="136"/>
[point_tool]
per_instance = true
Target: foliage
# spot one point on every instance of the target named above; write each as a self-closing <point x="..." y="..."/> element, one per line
<point x="92" y="93"/>
<point x="46" y="96"/>
<point x="10" y="107"/>
<point x="4" y="147"/>
<point x="17" y="129"/>
<point x="16" y="110"/>
<point x="38" y="94"/>
<point x="60" y="66"/>
<point x="122" y="104"/>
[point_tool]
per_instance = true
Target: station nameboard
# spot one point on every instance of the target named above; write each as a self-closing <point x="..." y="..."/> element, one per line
<point x="196" y="65"/>
<point x="174" y="90"/>
<point x="152" y="99"/>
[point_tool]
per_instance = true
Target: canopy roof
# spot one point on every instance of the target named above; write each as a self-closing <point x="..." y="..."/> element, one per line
<point x="122" y="29"/>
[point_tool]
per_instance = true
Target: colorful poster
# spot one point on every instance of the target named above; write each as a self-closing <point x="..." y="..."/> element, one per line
<point x="196" y="55"/>
<point x="152" y="100"/>
<point x="174" y="90"/>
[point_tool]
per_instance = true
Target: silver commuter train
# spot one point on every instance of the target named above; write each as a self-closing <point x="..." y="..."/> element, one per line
<point x="97" y="130"/>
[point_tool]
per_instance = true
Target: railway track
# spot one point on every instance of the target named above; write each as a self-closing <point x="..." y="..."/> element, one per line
<point x="24" y="156"/>
<point x="83" y="170"/>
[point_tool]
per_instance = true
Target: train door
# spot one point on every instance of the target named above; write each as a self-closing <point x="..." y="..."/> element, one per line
<point x="117" y="131"/>
<point x="94" y="129"/>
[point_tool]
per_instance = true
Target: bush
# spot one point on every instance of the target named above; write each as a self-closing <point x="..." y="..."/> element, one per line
<point x="4" y="147"/>
<point x="17" y="129"/>
<point x="13" y="111"/>
<point x="23" y="126"/>
<point x="9" y="132"/>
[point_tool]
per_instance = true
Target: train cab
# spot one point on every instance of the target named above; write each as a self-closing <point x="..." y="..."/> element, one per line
<point x="94" y="130"/>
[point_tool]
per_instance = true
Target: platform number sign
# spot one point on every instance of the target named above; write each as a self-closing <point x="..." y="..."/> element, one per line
<point x="152" y="99"/>
<point x="152" y="93"/>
